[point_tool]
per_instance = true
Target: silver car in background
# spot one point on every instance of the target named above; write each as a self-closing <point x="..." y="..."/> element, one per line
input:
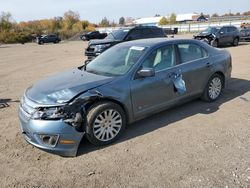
<point x="126" y="83"/>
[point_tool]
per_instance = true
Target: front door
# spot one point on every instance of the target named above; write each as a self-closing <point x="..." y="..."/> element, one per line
<point x="151" y="94"/>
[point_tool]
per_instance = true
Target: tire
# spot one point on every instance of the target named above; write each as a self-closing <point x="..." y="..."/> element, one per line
<point x="100" y="130"/>
<point x="214" y="43"/>
<point x="213" y="89"/>
<point x="40" y="42"/>
<point x="236" y="42"/>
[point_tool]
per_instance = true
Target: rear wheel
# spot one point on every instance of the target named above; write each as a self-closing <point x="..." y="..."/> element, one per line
<point x="106" y="121"/>
<point x="213" y="89"/>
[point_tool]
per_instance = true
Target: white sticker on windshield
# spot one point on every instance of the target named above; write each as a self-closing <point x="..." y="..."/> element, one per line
<point x="137" y="48"/>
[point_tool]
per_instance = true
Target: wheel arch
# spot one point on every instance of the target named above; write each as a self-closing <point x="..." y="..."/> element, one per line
<point x="107" y="99"/>
<point x="222" y="75"/>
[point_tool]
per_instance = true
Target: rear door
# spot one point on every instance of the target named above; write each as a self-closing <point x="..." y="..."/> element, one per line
<point x="232" y="32"/>
<point x="223" y="35"/>
<point x="194" y="65"/>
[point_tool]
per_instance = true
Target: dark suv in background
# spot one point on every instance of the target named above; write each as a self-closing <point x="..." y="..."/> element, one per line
<point x="48" y="39"/>
<point x="93" y="35"/>
<point x="96" y="47"/>
<point x="217" y="36"/>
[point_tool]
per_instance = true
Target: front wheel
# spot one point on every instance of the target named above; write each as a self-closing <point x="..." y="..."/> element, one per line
<point x="236" y="42"/>
<point x="105" y="123"/>
<point x="213" y="89"/>
<point x="214" y="43"/>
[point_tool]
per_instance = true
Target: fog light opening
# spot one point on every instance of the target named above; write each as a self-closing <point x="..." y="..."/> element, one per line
<point x="49" y="140"/>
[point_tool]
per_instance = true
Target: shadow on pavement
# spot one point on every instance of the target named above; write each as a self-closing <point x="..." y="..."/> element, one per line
<point x="235" y="88"/>
<point x="4" y="102"/>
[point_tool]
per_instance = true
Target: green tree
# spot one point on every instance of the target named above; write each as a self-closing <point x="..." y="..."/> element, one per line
<point x="105" y="22"/>
<point x="163" y="21"/>
<point x="172" y="18"/>
<point x="5" y="21"/>
<point x="122" y="21"/>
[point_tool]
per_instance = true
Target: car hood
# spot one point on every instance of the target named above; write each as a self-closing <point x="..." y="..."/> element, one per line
<point x="102" y="41"/>
<point x="203" y="34"/>
<point x="63" y="87"/>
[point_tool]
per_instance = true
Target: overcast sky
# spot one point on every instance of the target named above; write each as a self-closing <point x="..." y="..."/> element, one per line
<point x="95" y="10"/>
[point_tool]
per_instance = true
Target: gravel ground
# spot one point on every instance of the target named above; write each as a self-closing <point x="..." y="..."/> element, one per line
<point x="194" y="145"/>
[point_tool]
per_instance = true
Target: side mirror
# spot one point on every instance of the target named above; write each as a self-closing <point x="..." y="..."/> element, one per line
<point x="146" y="72"/>
<point x="221" y="32"/>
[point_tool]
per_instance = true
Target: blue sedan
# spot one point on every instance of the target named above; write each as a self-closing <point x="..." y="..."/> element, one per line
<point x="126" y="83"/>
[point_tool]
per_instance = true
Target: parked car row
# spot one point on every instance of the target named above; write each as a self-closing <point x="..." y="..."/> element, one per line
<point x="136" y="72"/>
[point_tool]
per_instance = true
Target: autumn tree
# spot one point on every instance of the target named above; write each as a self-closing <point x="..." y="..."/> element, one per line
<point x="70" y="18"/>
<point x="246" y="13"/>
<point x="214" y="15"/>
<point x="85" y="24"/>
<point x="163" y="21"/>
<point x="172" y="18"/>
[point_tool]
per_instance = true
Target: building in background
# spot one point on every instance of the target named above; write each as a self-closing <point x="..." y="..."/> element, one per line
<point x="180" y="18"/>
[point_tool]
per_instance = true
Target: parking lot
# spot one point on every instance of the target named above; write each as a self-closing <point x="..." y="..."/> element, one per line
<point x="197" y="144"/>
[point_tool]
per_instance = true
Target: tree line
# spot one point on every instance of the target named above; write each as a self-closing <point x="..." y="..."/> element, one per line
<point x="66" y="26"/>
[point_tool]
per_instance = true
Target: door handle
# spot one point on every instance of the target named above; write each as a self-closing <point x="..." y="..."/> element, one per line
<point x="174" y="74"/>
<point x="208" y="64"/>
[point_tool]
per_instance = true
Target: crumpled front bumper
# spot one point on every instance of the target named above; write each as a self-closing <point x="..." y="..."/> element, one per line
<point x="32" y="129"/>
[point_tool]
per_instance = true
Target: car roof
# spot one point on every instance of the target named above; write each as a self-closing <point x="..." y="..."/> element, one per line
<point x="152" y="42"/>
<point x="140" y="27"/>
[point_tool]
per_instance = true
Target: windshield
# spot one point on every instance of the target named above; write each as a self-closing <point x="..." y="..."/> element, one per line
<point x="118" y="34"/>
<point x="211" y="30"/>
<point x="115" y="61"/>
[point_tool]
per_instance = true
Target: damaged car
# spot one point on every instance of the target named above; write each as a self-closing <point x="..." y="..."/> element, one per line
<point x="217" y="36"/>
<point x="126" y="83"/>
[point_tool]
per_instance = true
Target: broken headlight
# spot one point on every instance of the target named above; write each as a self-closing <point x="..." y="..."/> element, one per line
<point x="48" y="113"/>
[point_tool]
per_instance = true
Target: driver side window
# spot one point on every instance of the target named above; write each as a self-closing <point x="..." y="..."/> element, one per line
<point x="161" y="59"/>
<point x="223" y="30"/>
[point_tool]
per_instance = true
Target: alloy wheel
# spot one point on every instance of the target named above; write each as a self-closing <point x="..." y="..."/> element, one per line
<point x="107" y="125"/>
<point x="215" y="87"/>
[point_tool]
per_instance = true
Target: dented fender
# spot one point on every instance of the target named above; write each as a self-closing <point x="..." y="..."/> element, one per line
<point x="77" y="109"/>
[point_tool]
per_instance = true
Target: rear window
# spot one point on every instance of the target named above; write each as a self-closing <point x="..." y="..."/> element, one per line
<point x="152" y="33"/>
<point x="191" y="52"/>
<point x="158" y="32"/>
